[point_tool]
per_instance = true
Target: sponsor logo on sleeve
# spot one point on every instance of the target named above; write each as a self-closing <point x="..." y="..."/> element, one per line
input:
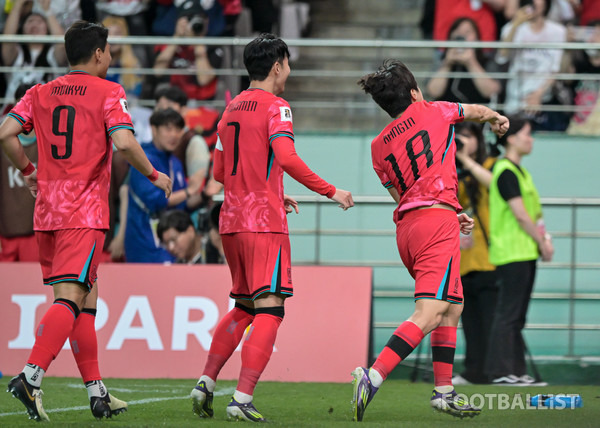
<point x="123" y="102"/>
<point x="286" y="114"/>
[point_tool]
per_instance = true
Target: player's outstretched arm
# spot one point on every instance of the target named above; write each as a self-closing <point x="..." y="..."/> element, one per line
<point x="133" y="152"/>
<point x="481" y="114"/>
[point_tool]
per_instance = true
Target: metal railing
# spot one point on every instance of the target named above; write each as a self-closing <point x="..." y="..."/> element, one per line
<point x="345" y="49"/>
<point x="572" y="233"/>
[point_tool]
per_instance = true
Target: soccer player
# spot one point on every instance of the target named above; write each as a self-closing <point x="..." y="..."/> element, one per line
<point x="255" y="147"/>
<point x="77" y="118"/>
<point x="414" y="159"/>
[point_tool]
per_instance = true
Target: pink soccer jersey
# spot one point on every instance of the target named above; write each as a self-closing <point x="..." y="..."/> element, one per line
<point x="253" y="178"/>
<point x="73" y="117"/>
<point x="415" y="155"/>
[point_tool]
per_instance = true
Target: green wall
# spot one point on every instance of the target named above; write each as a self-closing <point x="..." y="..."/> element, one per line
<point x="561" y="166"/>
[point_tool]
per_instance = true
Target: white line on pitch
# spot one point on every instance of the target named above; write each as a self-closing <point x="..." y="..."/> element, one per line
<point x="219" y="393"/>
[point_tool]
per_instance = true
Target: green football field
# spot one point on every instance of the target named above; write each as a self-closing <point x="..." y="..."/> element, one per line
<point x="165" y="402"/>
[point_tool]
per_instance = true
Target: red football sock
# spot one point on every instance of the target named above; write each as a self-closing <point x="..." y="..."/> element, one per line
<point x="51" y="334"/>
<point x="443" y="346"/>
<point x="404" y="340"/>
<point x="228" y="334"/>
<point x="257" y="349"/>
<point x="84" y="345"/>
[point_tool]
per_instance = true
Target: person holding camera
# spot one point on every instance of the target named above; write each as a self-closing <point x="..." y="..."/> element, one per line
<point x="473" y="166"/>
<point x="479" y="88"/>
<point x="534" y="83"/>
<point x="192" y="22"/>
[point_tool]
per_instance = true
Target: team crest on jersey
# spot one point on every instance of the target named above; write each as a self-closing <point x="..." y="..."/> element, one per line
<point x="123" y="102"/>
<point x="286" y="114"/>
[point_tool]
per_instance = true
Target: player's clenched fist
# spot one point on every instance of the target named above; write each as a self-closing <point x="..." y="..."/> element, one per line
<point x="344" y="198"/>
<point x="164" y="183"/>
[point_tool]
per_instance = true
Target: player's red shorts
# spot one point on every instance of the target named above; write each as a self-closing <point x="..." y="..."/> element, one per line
<point x="70" y="255"/>
<point x="259" y="263"/>
<point x="19" y="249"/>
<point x="429" y="245"/>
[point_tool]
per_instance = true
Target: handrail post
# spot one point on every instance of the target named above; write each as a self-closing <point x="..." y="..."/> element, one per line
<point x="571" y="332"/>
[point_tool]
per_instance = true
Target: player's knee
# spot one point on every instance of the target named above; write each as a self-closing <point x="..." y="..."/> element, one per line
<point x="276" y="311"/>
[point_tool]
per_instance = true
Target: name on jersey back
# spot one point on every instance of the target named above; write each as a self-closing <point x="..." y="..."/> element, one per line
<point x="398" y="129"/>
<point x="243" y="106"/>
<point x="69" y="90"/>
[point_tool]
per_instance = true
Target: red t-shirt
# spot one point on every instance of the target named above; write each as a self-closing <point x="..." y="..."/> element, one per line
<point x="415" y="154"/>
<point x="448" y="11"/>
<point x="255" y="127"/>
<point x="73" y="116"/>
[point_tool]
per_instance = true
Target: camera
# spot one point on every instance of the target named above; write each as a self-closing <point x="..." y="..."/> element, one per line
<point x="459" y="39"/>
<point x="460" y="171"/>
<point x="195" y="13"/>
<point x="197" y="24"/>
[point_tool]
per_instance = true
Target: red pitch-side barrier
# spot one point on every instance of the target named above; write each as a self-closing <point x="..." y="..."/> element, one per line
<point x="157" y="321"/>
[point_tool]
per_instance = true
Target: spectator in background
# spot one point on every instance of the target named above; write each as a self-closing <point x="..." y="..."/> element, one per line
<point x="192" y="151"/>
<point x="477" y="273"/>
<point x="122" y="57"/>
<point x="192" y="22"/>
<point x="561" y="11"/>
<point x="588" y="11"/>
<point x="136" y="14"/>
<point x="17" y="240"/>
<point x="29" y="55"/>
<point x="66" y="11"/>
<point x="481" y="11"/>
<point x="533" y="69"/>
<point x="180" y="237"/>
<point x="480" y="88"/>
<point x="517" y="238"/>
<point x="586" y="92"/>
<point x="145" y="204"/>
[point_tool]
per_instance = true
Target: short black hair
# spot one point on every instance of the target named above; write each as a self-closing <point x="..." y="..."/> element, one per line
<point x="390" y="86"/>
<point x="82" y="39"/>
<point x="172" y="93"/>
<point x="176" y="219"/>
<point x="22" y="89"/>
<point x="261" y="53"/>
<point x="167" y="117"/>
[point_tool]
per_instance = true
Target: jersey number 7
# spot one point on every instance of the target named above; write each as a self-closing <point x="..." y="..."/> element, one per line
<point x="236" y="145"/>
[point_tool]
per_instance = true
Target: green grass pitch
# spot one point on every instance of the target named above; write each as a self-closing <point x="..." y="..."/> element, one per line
<point x="399" y="403"/>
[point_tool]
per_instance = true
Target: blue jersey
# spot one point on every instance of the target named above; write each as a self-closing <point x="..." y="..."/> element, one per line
<point x="146" y="202"/>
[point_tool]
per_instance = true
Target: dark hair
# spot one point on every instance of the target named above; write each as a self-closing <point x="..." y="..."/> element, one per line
<point x="261" y="53"/>
<point x="82" y="39"/>
<point x="459" y="21"/>
<point x="517" y="122"/>
<point x="479" y="53"/>
<point x="471" y="184"/>
<point x="22" y="89"/>
<point x="167" y="117"/>
<point x="523" y="3"/>
<point x="390" y="86"/>
<point x="176" y="219"/>
<point x="172" y="93"/>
